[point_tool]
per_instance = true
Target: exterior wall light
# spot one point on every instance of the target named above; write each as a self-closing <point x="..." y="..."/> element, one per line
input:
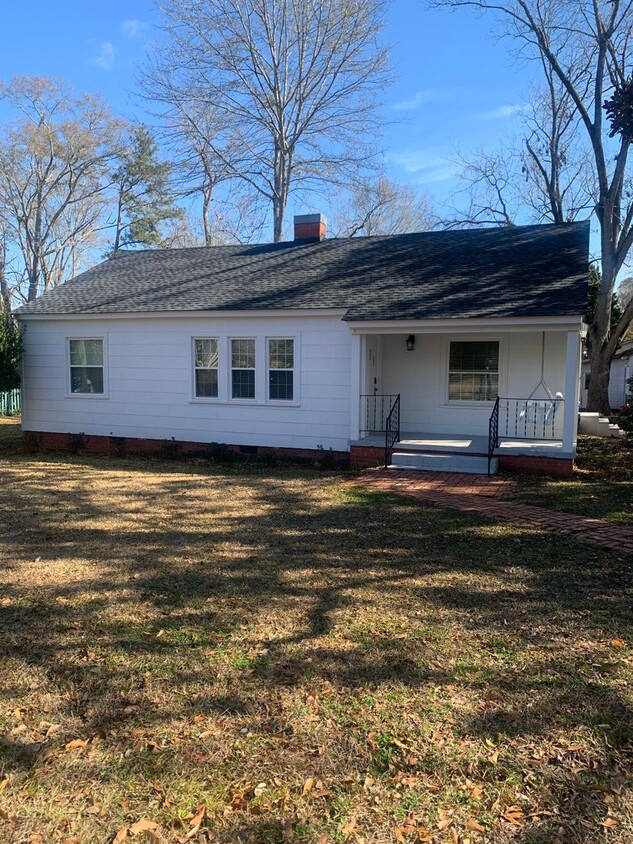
<point x="410" y="342"/>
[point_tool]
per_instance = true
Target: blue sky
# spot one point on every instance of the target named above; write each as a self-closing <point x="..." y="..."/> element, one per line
<point x="457" y="87"/>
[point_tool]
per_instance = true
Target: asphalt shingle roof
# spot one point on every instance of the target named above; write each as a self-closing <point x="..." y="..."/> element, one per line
<point x="510" y="272"/>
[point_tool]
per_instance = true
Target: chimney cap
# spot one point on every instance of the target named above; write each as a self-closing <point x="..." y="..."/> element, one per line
<point x="310" y="218"/>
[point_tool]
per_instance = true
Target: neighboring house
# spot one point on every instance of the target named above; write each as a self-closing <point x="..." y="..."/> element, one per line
<point x="621" y="371"/>
<point x="305" y="347"/>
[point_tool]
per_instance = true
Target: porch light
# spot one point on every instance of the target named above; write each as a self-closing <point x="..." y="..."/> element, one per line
<point x="410" y="342"/>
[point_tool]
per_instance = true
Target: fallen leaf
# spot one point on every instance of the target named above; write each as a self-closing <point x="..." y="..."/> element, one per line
<point x="120" y="836"/>
<point x="609" y="822"/>
<point x="144" y="825"/>
<point x="476" y="792"/>
<point x="308" y="786"/>
<point x="474" y="826"/>
<point x="494" y="758"/>
<point x="618" y="643"/>
<point x="444" y="824"/>
<point x="514" y="815"/>
<point x="77" y="744"/>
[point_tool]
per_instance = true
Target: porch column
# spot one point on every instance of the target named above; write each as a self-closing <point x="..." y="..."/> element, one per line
<point x="572" y="391"/>
<point x="356" y="352"/>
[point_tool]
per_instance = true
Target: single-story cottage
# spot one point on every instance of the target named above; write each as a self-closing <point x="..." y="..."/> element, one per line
<point x="446" y="349"/>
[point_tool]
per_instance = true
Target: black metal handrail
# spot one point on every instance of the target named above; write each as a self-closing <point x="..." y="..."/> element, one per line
<point x="392" y="430"/>
<point x="374" y="410"/>
<point x="493" y="432"/>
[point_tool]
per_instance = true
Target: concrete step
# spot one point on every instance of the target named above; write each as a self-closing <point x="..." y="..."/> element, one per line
<point x="430" y="462"/>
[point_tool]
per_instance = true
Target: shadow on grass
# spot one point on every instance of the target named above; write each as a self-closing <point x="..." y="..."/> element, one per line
<point x="358" y="590"/>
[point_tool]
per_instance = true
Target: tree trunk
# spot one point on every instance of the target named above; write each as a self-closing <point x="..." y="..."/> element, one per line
<point x="600" y="366"/>
<point x="206" y="223"/>
<point x="5" y="293"/>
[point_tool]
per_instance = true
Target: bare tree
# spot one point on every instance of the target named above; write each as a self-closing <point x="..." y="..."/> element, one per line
<point x="584" y="48"/>
<point x="53" y="178"/>
<point x="293" y="82"/>
<point x="384" y="207"/>
<point x="542" y="175"/>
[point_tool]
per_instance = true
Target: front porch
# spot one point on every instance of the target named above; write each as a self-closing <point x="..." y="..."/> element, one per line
<point x="468" y="395"/>
<point x="545" y="456"/>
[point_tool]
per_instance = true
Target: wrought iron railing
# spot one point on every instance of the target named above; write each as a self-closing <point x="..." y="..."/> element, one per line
<point x="493" y="432"/>
<point x="530" y="419"/>
<point x="374" y="410"/>
<point x="523" y="419"/>
<point x="392" y="429"/>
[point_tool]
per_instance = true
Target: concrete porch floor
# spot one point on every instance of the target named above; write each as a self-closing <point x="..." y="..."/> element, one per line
<point x="465" y="444"/>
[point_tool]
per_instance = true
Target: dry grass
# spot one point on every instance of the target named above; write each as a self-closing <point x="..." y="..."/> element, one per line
<point x="311" y="664"/>
<point x="601" y="488"/>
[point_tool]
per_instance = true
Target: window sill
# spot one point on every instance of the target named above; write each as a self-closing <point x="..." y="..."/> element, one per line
<point x="83" y="396"/>
<point x="245" y="403"/>
<point x="467" y="404"/>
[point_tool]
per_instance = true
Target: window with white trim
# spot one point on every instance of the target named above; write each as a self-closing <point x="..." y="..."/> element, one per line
<point x="473" y="370"/>
<point x="86" y="357"/>
<point x="205" y="367"/>
<point x="242" y="368"/>
<point x="281" y="369"/>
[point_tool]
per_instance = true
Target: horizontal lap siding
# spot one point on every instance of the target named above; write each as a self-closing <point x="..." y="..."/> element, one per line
<point x="150" y="383"/>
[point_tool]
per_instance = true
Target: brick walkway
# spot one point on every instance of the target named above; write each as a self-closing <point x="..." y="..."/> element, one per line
<point x="480" y="494"/>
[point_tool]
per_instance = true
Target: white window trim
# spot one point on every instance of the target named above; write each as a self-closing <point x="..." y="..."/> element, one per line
<point x="445" y="368"/>
<point x="205" y="399"/>
<point x="240" y="400"/>
<point x="106" y="381"/>
<point x="295" y="400"/>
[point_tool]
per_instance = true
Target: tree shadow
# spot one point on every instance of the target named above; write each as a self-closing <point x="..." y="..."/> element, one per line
<point x="198" y="603"/>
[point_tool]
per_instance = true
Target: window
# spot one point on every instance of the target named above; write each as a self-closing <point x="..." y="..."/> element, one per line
<point x="473" y="371"/>
<point x="206" y="367"/>
<point x="86" y="366"/>
<point x="281" y="363"/>
<point x="243" y="369"/>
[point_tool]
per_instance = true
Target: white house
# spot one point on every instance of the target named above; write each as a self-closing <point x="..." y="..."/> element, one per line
<point x="620" y="372"/>
<point x="443" y="347"/>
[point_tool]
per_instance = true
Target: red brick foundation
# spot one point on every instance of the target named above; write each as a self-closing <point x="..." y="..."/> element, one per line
<point x="120" y="446"/>
<point x="366" y="456"/>
<point x="554" y="467"/>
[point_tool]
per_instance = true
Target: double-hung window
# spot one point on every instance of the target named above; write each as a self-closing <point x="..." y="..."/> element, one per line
<point x="281" y="365"/>
<point x="473" y="370"/>
<point x="206" y="367"/>
<point x="243" y="368"/>
<point x="87" y="366"/>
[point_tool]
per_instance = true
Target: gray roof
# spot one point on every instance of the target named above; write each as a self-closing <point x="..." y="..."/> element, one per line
<point x="503" y="272"/>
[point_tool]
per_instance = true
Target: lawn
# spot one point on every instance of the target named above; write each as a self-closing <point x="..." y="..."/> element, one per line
<point x="200" y="653"/>
<point x="601" y="488"/>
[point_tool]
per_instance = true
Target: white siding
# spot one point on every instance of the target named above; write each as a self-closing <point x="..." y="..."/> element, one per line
<point x="150" y="395"/>
<point x="421" y="378"/>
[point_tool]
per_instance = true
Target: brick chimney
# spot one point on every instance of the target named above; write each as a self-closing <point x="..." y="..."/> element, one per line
<point x="310" y="228"/>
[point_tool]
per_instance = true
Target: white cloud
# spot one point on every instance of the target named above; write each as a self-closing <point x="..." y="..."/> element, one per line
<point x="425" y="164"/>
<point x="503" y="112"/>
<point x="419" y="98"/>
<point x="133" y="27"/>
<point x="105" y="57"/>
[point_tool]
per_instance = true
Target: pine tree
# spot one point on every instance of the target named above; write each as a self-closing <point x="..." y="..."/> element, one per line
<point x="144" y="199"/>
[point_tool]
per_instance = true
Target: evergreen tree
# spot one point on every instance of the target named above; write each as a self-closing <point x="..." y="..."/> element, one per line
<point x="144" y="199"/>
<point x="10" y="351"/>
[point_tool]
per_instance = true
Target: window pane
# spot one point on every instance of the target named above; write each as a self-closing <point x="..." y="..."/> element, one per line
<point x="281" y="354"/>
<point x="281" y="386"/>
<point x="207" y="353"/>
<point x="207" y="383"/>
<point x="473" y="386"/>
<point x="86" y="352"/>
<point x="474" y="356"/>
<point x="243" y="354"/>
<point x="86" y="379"/>
<point x="243" y="384"/>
